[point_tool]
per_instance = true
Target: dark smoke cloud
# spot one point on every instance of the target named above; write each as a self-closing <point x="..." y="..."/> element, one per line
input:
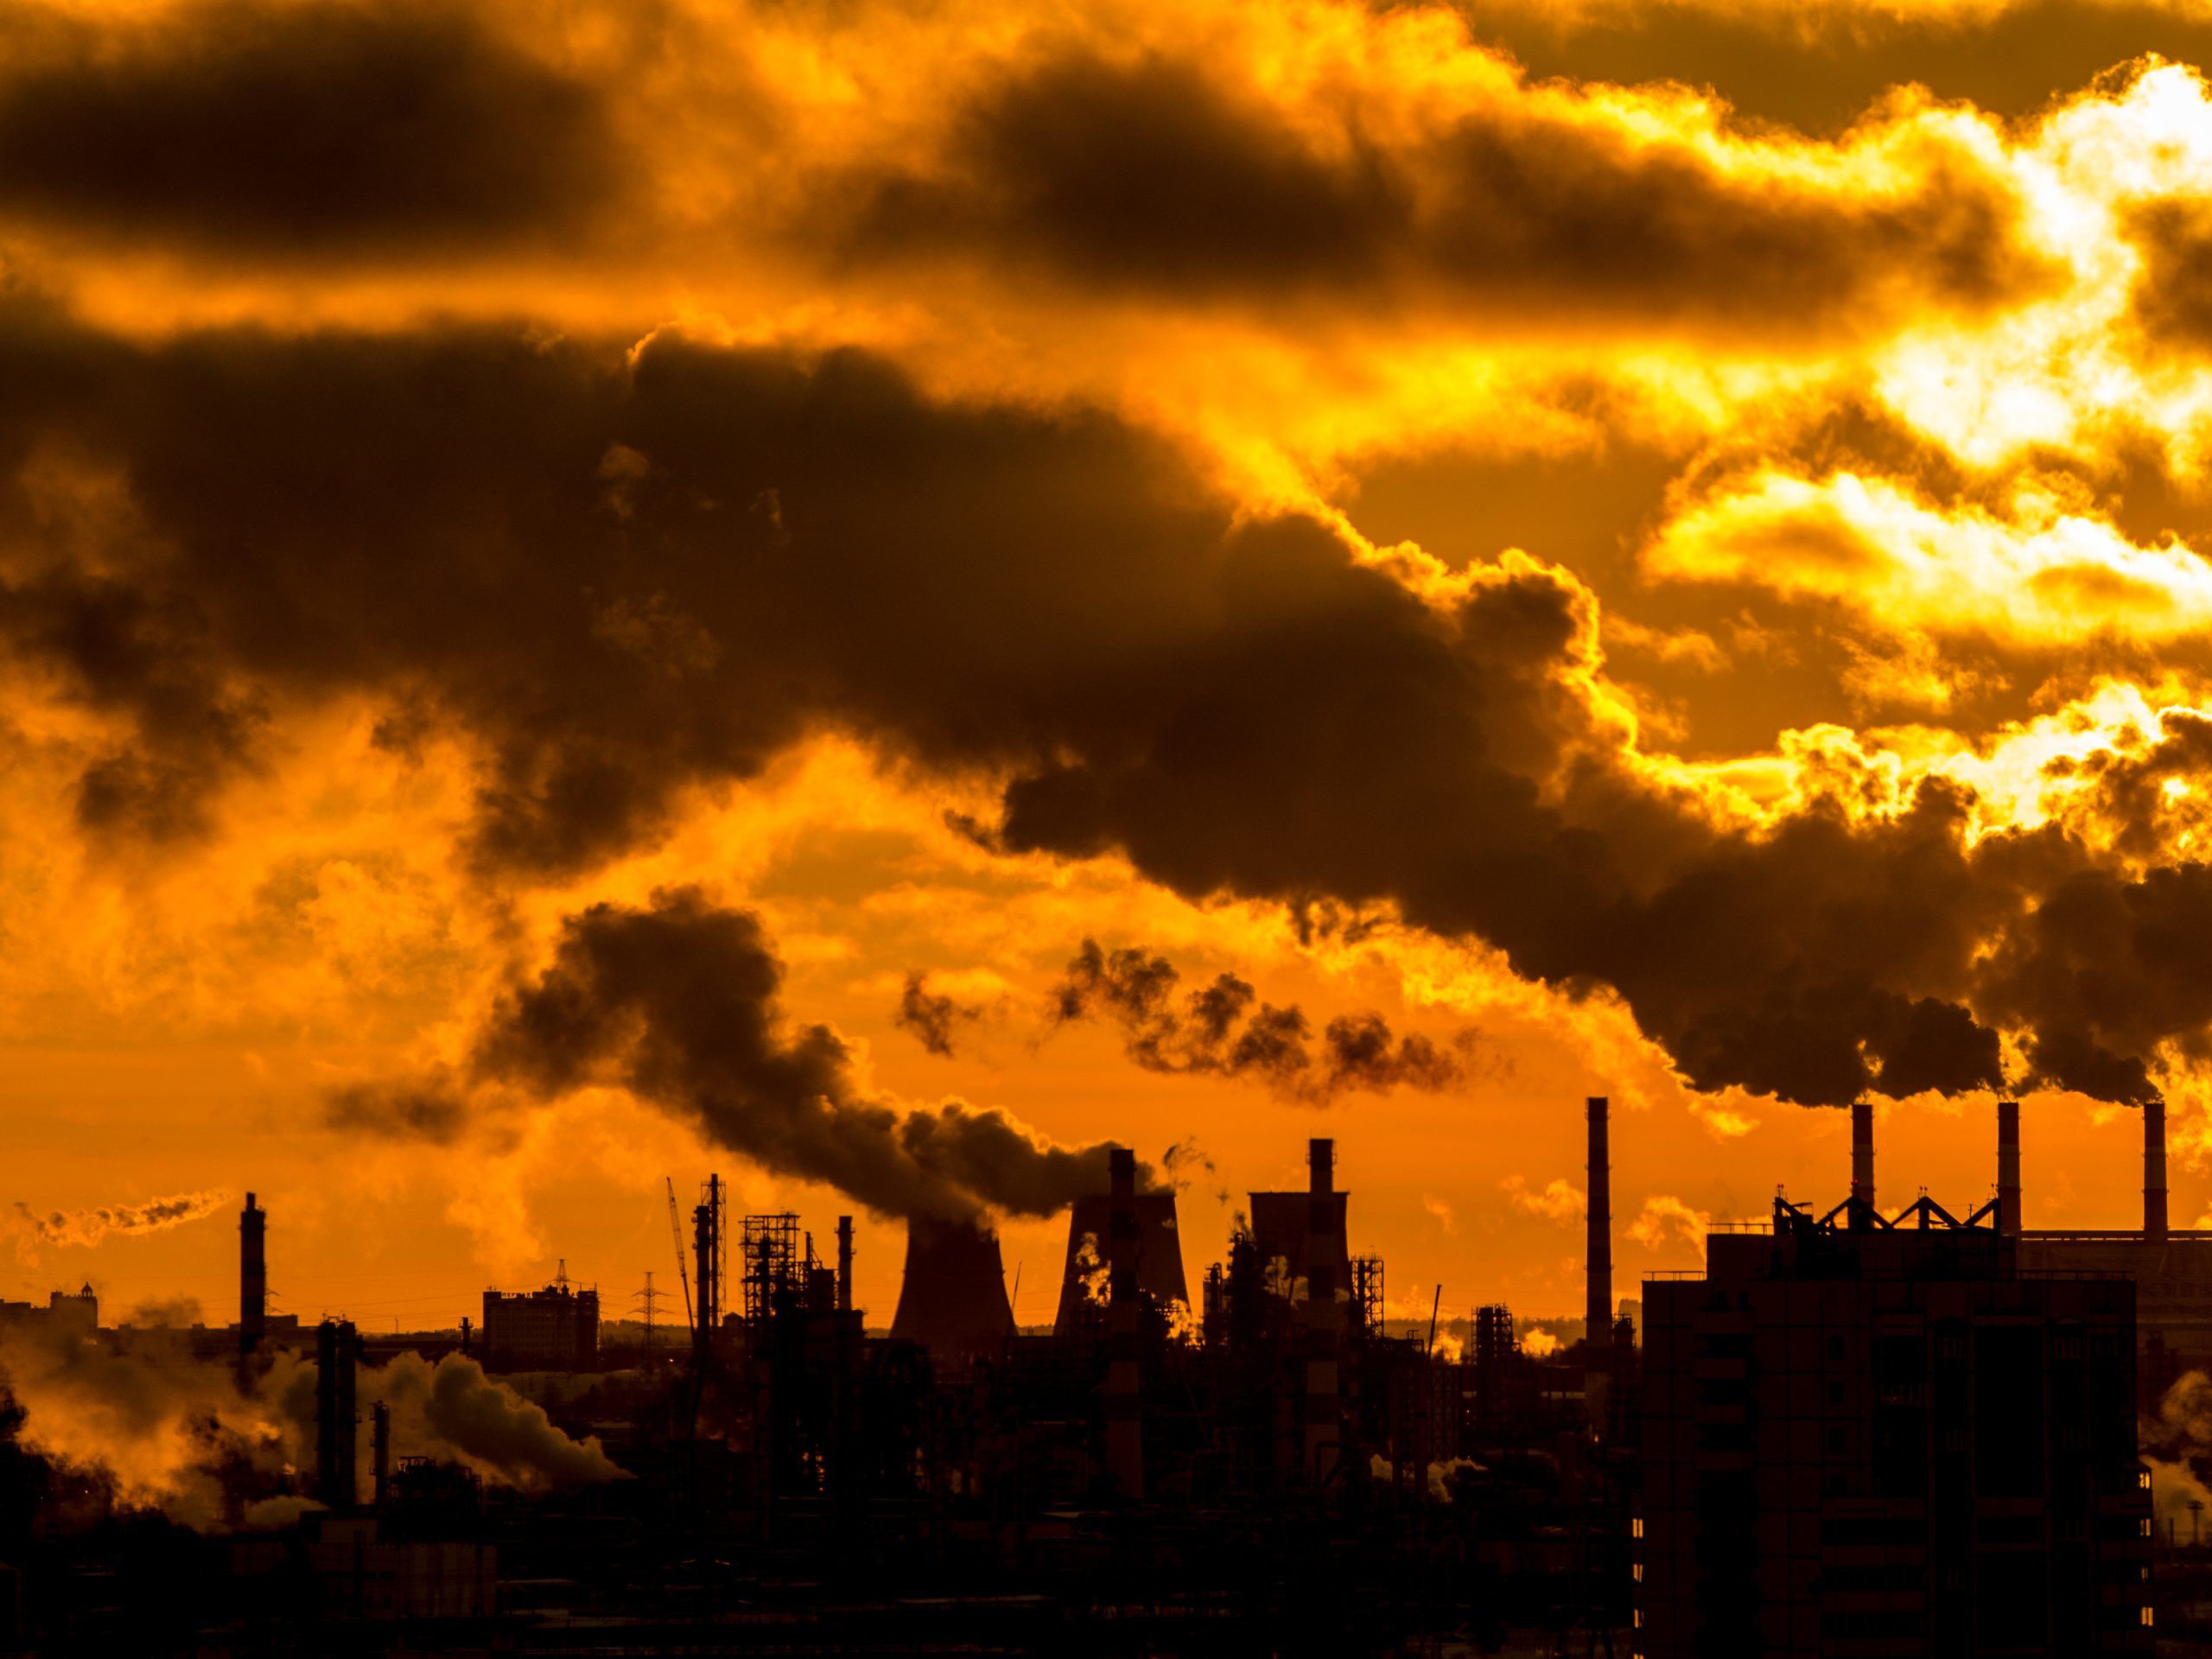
<point x="295" y="129"/>
<point x="1223" y="1028"/>
<point x="2172" y="299"/>
<point x="1819" y="70"/>
<point x="2107" y="969"/>
<point x="620" y="576"/>
<point x="1152" y="175"/>
<point x="932" y="1016"/>
<point x="678" y="1002"/>
<point x="415" y="1108"/>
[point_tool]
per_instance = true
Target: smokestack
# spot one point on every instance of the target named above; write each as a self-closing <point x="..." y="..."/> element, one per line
<point x="1862" y="1162"/>
<point x="1326" y="1250"/>
<point x="1124" y="1426"/>
<point x="380" y="1453"/>
<point x="2154" y="1167"/>
<point x="2008" y="1168"/>
<point x="707" y="1248"/>
<point x="844" y="1264"/>
<point x="253" y="1277"/>
<point x="336" y="1448"/>
<point x="1598" y="1312"/>
<point x="1324" y="1247"/>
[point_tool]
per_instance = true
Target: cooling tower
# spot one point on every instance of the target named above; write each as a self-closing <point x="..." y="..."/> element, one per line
<point x="953" y="1301"/>
<point x="1305" y="1230"/>
<point x="1159" y="1255"/>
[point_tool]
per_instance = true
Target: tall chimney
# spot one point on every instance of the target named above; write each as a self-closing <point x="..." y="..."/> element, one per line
<point x="1599" y="1311"/>
<point x="1124" y="1425"/>
<point x="706" y="1247"/>
<point x="1322" y="1251"/>
<point x="844" y="1264"/>
<point x="2154" y="1167"/>
<point x="2008" y="1168"/>
<point x="380" y="1453"/>
<point x="253" y="1277"/>
<point x="1324" y="1314"/>
<point x="1862" y="1162"/>
<point x="336" y="1449"/>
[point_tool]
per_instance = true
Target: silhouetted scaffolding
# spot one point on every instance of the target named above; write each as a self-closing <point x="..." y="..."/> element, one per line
<point x="1213" y="1317"/>
<point x="771" y="1261"/>
<point x="1367" y="1291"/>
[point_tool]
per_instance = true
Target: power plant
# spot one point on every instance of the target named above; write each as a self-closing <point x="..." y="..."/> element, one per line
<point x="1864" y="1430"/>
<point x="952" y="1298"/>
<point x="2170" y="1268"/>
<point x="1083" y="1275"/>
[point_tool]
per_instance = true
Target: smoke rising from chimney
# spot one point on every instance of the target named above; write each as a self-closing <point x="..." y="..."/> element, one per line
<point x="157" y="1429"/>
<point x="453" y="1405"/>
<point x="677" y="1001"/>
<point x="152" y="1427"/>
<point x="83" y="1228"/>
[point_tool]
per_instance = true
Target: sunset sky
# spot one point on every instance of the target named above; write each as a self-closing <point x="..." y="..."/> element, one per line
<point x="594" y="591"/>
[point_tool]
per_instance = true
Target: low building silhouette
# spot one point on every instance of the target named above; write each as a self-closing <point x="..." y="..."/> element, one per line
<point x="553" y="1329"/>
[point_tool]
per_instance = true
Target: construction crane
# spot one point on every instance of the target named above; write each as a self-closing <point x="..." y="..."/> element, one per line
<point x="676" y="1232"/>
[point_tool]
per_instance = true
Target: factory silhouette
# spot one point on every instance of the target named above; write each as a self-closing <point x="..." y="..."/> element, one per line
<point x="1858" y="1431"/>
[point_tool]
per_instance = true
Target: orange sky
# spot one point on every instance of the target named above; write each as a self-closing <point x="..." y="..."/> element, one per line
<point x="1659" y="550"/>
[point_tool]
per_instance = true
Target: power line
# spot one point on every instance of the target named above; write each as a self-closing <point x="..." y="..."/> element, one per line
<point x="647" y="1297"/>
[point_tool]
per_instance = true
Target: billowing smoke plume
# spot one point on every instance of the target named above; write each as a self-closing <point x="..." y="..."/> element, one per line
<point x="1240" y="704"/>
<point x="677" y="1001"/>
<point x="2177" y="1445"/>
<point x="85" y="1228"/>
<point x="2182" y="1426"/>
<point x="1223" y="1028"/>
<point x="158" y="1429"/>
<point x="161" y="1429"/>
<point x="453" y="1410"/>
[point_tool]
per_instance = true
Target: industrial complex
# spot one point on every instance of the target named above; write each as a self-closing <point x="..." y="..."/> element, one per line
<point x="1856" y="1432"/>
